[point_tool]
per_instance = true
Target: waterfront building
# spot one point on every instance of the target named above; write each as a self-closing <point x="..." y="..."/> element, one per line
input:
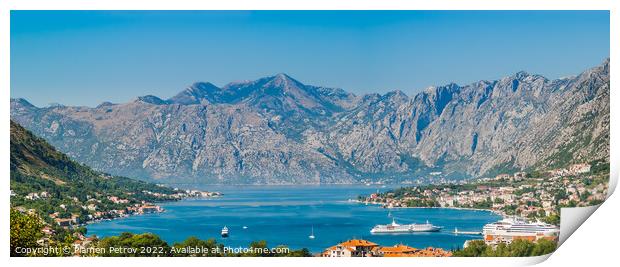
<point x="431" y="252"/>
<point x="579" y="168"/>
<point x="399" y="250"/>
<point x="518" y="176"/>
<point x="503" y="176"/>
<point x="150" y="209"/>
<point x="363" y="248"/>
<point x="64" y="222"/>
<point x="351" y="248"/>
<point x="510" y="229"/>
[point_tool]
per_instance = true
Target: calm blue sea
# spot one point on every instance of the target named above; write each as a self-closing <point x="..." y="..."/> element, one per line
<point x="285" y="215"/>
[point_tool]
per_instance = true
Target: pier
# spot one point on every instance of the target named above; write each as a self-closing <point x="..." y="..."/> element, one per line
<point x="457" y="232"/>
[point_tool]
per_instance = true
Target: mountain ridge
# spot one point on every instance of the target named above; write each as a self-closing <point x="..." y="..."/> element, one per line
<point x="279" y="130"/>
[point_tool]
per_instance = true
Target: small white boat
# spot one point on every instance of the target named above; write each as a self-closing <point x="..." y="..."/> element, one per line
<point x="311" y="236"/>
<point x="225" y="231"/>
<point x="245" y="227"/>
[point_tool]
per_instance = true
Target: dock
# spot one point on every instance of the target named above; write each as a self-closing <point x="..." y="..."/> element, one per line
<point x="457" y="232"/>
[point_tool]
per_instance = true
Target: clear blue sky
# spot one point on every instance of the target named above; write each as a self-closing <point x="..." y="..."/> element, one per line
<point x="86" y="57"/>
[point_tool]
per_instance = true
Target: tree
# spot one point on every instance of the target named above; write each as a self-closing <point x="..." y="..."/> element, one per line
<point x="206" y="248"/>
<point x="518" y="248"/>
<point x="543" y="247"/>
<point x="304" y="252"/>
<point x="521" y="248"/>
<point x="25" y="231"/>
<point x="552" y="219"/>
<point x="135" y="245"/>
<point x="474" y="248"/>
<point x="260" y="249"/>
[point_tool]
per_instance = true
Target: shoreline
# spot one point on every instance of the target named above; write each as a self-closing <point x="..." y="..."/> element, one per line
<point x="453" y="208"/>
<point x="141" y="214"/>
<point x="291" y="184"/>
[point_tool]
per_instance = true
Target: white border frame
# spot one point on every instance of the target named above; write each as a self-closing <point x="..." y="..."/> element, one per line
<point x="574" y="254"/>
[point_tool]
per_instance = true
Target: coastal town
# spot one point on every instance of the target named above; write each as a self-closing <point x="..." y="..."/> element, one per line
<point x="535" y="195"/>
<point x="71" y="216"/>
<point x="96" y="209"/>
<point x="529" y="202"/>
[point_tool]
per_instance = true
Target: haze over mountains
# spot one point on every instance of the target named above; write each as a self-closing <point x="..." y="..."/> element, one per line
<point x="277" y="130"/>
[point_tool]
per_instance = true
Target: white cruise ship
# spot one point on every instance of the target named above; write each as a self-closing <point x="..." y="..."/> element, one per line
<point x="395" y="228"/>
<point x="509" y="229"/>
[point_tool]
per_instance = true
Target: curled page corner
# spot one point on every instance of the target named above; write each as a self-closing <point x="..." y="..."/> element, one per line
<point x="572" y="218"/>
<point x="613" y="178"/>
<point x="534" y="260"/>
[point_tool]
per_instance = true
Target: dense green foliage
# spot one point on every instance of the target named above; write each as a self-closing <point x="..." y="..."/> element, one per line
<point x="25" y="231"/>
<point x="134" y="245"/>
<point x="422" y="203"/>
<point x="211" y="246"/>
<point x="518" y="248"/>
<point x="552" y="219"/>
<point x="150" y="245"/>
<point x="599" y="166"/>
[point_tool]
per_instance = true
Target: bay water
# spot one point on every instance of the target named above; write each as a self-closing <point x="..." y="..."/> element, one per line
<point x="286" y="215"/>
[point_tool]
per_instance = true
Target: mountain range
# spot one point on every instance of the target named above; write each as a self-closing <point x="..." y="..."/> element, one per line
<point x="277" y="130"/>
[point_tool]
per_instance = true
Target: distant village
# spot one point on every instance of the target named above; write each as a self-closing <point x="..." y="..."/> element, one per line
<point x="96" y="211"/>
<point x="522" y="194"/>
<point x="533" y="196"/>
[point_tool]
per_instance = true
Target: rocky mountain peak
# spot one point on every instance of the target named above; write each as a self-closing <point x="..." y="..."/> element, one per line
<point x="105" y="104"/>
<point x="196" y="93"/>
<point x="520" y="75"/>
<point x="283" y="81"/>
<point x="151" y="99"/>
<point x="434" y="91"/>
<point x="22" y="103"/>
<point x="396" y="96"/>
<point x="601" y="70"/>
<point x="282" y="77"/>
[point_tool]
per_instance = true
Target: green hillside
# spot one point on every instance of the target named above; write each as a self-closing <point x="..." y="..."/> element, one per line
<point x="50" y="182"/>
